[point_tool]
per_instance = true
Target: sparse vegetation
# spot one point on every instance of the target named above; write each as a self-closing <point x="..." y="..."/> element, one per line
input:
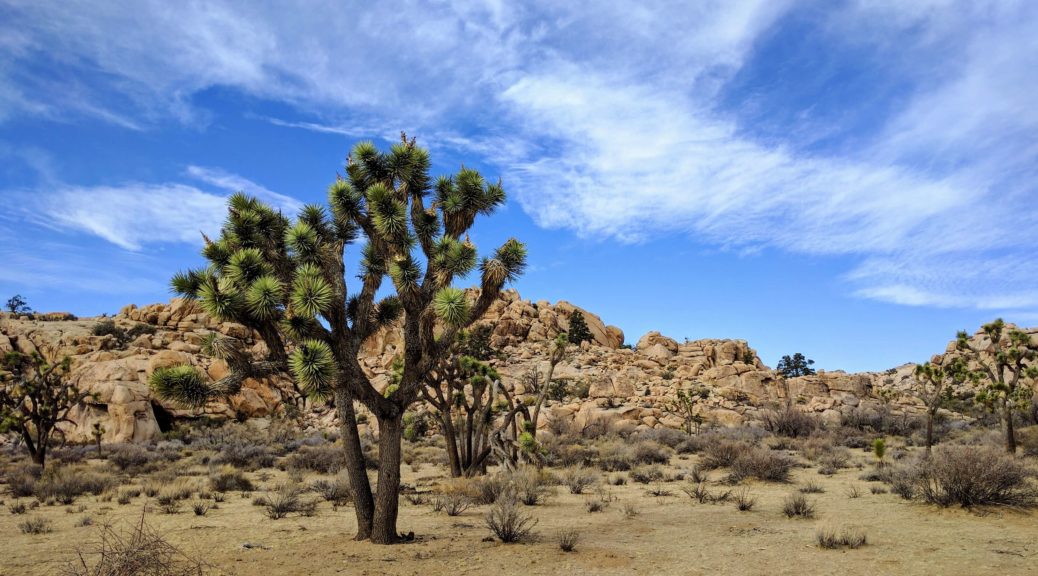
<point x="832" y="539"/>
<point x="796" y="505"/>
<point x="508" y="522"/>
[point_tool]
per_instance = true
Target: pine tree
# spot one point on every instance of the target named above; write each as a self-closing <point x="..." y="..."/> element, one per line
<point x="287" y="280"/>
<point x="578" y="330"/>
<point x="797" y="365"/>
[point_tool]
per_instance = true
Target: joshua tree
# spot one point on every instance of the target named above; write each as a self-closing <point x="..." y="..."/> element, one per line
<point x="684" y="406"/>
<point x="287" y="281"/>
<point x="465" y="392"/>
<point x="934" y="386"/>
<point x="578" y="330"/>
<point x="35" y="395"/>
<point x="1004" y="363"/>
<point x="797" y="365"/>
<point x="17" y="305"/>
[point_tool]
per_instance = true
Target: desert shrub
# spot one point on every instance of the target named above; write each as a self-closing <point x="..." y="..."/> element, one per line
<point x="487" y="489"/>
<point x="36" y="525"/>
<point x="281" y="501"/>
<point x="454" y="497"/>
<point x="126" y="456"/>
<point x="565" y="451"/>
<point x="17" y="508"/>
<point x="796" y="505"/>
<point x="762" y="464"/>
<point x="201" y="508"/>
<point x="138" y="551"/>
<point x="453" y="503"/>
<point x="646" y="473"/>
<point x="325" y="459"/>
<point x="877" y="490"/>
<point x="598" y="426"/>
<point x="578" y="479"/>
<point x="108" y="328"/>
<point x="659" y="490"/>
<point x="650" y="452"/>
<point x="84" y="522"/>
<point x="665" y="436"/>
<point x="140" y="329"/>
<point x="852" y="491"/>
<point x="903" y="481"/>
<point x="614" y="456"/>
<point x="337" y="490"/>
<point x="722" y="452"/>
<point x="811" y="488"/>
<point x="700" y="493"/>
<point x="66" y="484"/>
<point x="744" y="502"/>
<point x="630" y="510"/>
<point x="974" y="476"/>
<point x="229" y="479"/>
<point x="530" y="486"/>
<point x="508" y="522"/>
<point x="790" y="422"/>
<point x="696" y="475"/>
<point x="72" y="454"/>
<point x="245" y="456"/>
<point x="568" y="540"/>
<point x="831" y="539"/>
<point x="21" y="480"/>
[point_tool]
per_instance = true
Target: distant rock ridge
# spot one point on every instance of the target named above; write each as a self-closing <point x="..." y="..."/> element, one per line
<point x="631" y="386"/>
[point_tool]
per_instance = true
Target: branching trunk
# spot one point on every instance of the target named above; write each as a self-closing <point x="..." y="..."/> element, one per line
<point x="1010" y="429"/>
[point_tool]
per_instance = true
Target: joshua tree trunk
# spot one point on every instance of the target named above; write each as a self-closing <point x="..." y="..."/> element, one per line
<point x="451" y="439"/>
<point x="929" y="431"/>
<point x="364" y="505"/>
<point x="1010" y="431"/>
<point x="390" y="434"/>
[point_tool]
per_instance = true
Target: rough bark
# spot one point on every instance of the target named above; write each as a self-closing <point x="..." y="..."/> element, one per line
<point x="387" y="498"/>
<point x="364" y="504"/>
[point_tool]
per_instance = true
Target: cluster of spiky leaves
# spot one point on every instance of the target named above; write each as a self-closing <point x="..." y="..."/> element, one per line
<point x="287" y="280"/>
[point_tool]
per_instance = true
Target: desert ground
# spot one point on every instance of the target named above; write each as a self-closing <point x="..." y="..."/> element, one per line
<point x="653" y="527"/>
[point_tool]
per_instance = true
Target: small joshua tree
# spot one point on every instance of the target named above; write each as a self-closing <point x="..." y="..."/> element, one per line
<point x="684" y="406"/>
<point x="879" y="448"/>
<point x="934" y="385"/>
<point x="465" y="390"/>
<point x="17" y="305"/>
<point x="1006" y="362"/>
<point x="797" y="365"/>
<point x="35" y="395"/>
<point x="578" y="330"/>
<point x="98" y="432"/>
<point x="287" y="281"/>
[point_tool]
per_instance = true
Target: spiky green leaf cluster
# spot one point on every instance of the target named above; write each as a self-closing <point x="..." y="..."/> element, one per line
<point x="313" y="366"/>
<point x="181" y="383"/>
<point x="451" y="306"/>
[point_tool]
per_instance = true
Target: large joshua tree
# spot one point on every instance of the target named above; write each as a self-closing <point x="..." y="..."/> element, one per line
<point x="288" y="282"/>
<point x="1006" y="362"/>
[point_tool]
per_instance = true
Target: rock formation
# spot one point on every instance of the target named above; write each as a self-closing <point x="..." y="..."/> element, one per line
<point x="630" y="386"/>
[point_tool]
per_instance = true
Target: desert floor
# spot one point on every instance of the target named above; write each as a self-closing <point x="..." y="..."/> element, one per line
<point x="669" y="535"/>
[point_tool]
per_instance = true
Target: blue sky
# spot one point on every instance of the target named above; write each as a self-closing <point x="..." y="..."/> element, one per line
<point x="855" y="180"/>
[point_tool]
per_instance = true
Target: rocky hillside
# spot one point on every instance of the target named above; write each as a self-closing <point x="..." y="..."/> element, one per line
<point x="631" y="386"/>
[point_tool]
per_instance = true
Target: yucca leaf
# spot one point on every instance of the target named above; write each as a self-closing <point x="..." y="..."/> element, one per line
<point x="264" y="297"/>
<point x="313" y="366"/>
<point x="311" y="295"/>
<point x="182" y="383"/>
<point x="451" y="306"/>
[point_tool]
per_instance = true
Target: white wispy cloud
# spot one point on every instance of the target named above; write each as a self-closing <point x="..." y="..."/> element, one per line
<point x="133" y="215"/>
<point x="606" y="121"/>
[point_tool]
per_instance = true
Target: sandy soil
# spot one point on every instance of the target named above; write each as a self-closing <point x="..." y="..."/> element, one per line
<point x="670" y="535"/>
